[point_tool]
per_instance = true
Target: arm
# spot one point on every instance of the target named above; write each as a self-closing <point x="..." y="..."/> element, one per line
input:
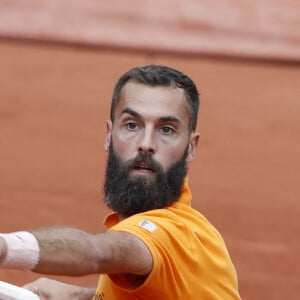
<point x="69" y="251"/>
<point x="51" y="289"/>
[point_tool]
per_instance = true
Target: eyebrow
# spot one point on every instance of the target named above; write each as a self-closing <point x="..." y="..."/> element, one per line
<point x="139" y="116"/>
<point x="131" y="112"/>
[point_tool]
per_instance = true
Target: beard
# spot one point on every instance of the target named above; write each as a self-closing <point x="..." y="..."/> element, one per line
<point x="128" y="194"/>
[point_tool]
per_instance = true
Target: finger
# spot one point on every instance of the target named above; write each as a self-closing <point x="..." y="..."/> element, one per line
<point x="31" y="287"/>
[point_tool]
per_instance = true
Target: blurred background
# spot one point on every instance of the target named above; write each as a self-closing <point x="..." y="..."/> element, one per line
<point x="59" y="61"/>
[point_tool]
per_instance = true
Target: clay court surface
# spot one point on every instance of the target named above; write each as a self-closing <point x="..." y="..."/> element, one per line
<point x="53" y="105"/>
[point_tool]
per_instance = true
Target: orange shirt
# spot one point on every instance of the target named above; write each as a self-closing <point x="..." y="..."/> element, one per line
<point x="190" y="259"/>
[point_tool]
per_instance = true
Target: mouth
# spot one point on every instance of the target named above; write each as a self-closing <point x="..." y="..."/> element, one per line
<point x="143" y="168"/>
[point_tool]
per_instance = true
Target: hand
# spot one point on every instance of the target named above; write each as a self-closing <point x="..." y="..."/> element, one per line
<point x="3" y="249"/>
<point x="48" y="289"/>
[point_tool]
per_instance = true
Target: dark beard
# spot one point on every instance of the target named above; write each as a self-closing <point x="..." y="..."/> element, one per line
<point x="129" y="195"/>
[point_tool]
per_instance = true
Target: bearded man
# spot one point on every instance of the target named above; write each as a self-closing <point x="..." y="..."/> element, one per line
<point x="156" y="246"/>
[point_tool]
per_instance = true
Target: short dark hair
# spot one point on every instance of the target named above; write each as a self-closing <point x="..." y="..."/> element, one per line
<point x="157" y="75"/>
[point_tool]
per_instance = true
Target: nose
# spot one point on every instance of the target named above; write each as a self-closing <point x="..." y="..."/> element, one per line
<point x="147" y="142"/>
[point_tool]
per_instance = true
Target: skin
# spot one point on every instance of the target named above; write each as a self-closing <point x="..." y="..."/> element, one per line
<point x="147" y="119"/>
<point x="152" y="120"/>
<point x="58" y="290"/>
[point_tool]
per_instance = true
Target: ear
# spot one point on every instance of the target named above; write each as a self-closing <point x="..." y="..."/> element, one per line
<point x="194" y="139"/>
<point x="108" y="135"/>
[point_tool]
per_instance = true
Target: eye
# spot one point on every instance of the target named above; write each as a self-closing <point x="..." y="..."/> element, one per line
<point x="131" y="126"/>
<point x="167" y="130"/>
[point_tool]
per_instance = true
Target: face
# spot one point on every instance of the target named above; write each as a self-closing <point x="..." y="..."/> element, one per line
<point x="151" y="120"/>
<point x="149" y="143"/>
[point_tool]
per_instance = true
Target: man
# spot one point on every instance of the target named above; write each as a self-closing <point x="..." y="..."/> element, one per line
<point x="156" y="246"/>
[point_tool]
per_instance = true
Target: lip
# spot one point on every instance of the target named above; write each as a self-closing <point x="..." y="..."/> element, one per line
<point x="144" y="166"/>
<point x="143" y="169"/>
<point x="143" y="174"/>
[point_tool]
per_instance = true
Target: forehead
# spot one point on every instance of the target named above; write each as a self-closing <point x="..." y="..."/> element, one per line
<point x="153" y="101"/>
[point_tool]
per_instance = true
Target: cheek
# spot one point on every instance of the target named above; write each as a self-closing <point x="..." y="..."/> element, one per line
<point x="170" y="155"/>
<point x="123" y="148"/>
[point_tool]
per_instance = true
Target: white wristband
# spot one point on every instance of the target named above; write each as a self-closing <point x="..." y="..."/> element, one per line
<point x="23" y="251"/>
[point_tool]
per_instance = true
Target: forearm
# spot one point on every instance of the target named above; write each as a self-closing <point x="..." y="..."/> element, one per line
<point x="51" y="289"/>
<point x="72" y="252"/>
<point x="65" y="251"/>
<point x="59" y="251"/>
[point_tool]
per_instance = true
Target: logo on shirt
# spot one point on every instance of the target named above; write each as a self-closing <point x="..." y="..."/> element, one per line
<point x="149" y="226"/>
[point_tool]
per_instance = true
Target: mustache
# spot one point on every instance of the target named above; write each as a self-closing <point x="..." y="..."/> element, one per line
<point x="145" y="158"/>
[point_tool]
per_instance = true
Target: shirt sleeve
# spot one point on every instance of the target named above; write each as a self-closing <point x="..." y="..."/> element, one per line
<point x="162" y="236"/>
